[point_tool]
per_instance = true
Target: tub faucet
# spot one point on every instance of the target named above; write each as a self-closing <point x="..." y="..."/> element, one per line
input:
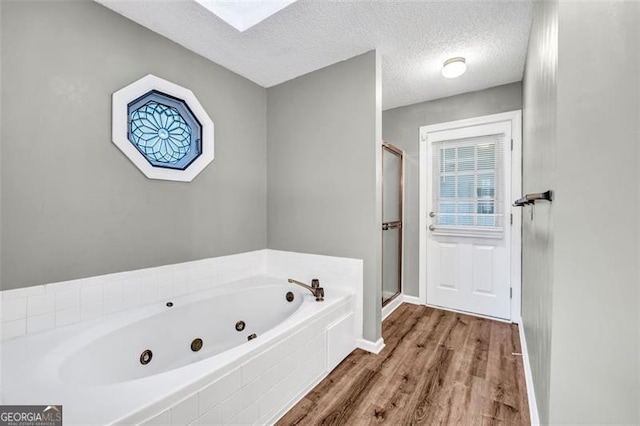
<point x="314" y="288"/>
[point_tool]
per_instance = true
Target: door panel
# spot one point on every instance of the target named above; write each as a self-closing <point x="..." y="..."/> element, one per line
<point x="483" y="269"/>
<point x="391" y="186"/>
<point x="391" y="263"/>
<point x="448" y="266"/>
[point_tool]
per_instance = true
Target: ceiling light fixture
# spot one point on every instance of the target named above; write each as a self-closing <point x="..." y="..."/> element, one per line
<point x="454" y="67"/>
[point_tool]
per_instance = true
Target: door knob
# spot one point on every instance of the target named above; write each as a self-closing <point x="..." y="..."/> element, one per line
<point x="432" y="228"/>
<point x="432" y="214"/>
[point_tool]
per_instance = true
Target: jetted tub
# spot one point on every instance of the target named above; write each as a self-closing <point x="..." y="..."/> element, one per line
<point x="135" y="365"/>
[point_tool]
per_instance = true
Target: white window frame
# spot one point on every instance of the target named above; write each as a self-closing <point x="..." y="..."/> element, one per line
<point x="120" y="128"/>
<point x="470" y="231"/>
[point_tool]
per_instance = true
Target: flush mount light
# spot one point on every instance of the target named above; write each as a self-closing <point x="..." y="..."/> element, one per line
<point x="243" y="15"/>
<point x="454" y="67"/>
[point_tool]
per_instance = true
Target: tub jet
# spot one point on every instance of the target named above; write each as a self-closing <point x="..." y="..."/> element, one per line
<point x="196" y="345"/>
<point x="145" y="357"/>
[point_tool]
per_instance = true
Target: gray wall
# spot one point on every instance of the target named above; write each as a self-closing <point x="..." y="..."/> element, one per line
<point x="595" y="335"/>
<point x="72" y="204"/>
<point x="538" y="170"/>
<point x="323" y="159"/>
<point x="400" y="127"/>
<point x="580" y="276"/>
<point x="1" y="6"/>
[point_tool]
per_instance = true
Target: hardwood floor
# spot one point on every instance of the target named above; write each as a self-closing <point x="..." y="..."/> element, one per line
<point x="437" y="368"/>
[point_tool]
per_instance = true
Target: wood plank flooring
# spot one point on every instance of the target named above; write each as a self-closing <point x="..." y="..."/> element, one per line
<point x="437" y="368"/>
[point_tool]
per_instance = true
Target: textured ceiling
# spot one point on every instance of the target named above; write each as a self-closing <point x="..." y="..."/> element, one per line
<point x="413" y="38"/>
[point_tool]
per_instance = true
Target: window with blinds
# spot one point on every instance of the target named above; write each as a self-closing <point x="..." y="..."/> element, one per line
<point x="468" y="183"/>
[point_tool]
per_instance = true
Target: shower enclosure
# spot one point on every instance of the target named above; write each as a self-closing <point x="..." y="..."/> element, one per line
<point x="392" y="200"/>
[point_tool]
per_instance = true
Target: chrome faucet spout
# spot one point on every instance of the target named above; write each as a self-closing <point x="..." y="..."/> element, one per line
<point x="314" y="288"/>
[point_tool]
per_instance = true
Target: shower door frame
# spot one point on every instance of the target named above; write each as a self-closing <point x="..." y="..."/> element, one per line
<point x="400" y="153"/>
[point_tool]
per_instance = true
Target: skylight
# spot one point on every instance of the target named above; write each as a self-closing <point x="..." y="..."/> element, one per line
<point x="244" y="14"/>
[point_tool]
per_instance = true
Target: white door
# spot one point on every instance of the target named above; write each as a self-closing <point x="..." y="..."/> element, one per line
<point x="468" y="217"/>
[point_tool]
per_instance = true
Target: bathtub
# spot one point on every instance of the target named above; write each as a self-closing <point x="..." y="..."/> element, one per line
<point x="262" y="345"/>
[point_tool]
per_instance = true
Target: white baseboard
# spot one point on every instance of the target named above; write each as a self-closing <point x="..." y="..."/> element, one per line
<point x="369" y="346"/>
<point x="412" y="299"/>
<point x="528" y="377"/>
<point x="392" y="306"/>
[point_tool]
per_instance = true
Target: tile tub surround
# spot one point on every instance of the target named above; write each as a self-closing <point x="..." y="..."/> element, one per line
<point x="267" y="375"/>
<point x="46" y="307"/>
<point x="335" y="272"/>
<point x="264" y="388"/>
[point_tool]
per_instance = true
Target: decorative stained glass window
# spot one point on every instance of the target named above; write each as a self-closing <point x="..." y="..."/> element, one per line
<point x="163" y="129"/>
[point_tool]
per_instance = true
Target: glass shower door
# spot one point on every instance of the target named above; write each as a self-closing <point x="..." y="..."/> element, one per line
<point x="392" y="182"/>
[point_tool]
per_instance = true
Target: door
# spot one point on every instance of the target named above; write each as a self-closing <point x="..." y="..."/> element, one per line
<point x="392" y="183"/>
<point x="468" y="218"/>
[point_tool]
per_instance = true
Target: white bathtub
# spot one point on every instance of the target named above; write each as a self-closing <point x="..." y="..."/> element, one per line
<point x="94" y="368"/>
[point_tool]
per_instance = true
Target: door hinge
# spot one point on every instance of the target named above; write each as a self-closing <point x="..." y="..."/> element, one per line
<point x="510" y="292"/>
<point x="511" y="144"/>
<point x="512" y="218"/>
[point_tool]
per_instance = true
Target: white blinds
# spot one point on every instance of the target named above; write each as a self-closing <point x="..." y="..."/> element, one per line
<point x="468" y="182"/>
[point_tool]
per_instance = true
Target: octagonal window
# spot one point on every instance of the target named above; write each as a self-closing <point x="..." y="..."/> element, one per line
<point x="164" y="130"/>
